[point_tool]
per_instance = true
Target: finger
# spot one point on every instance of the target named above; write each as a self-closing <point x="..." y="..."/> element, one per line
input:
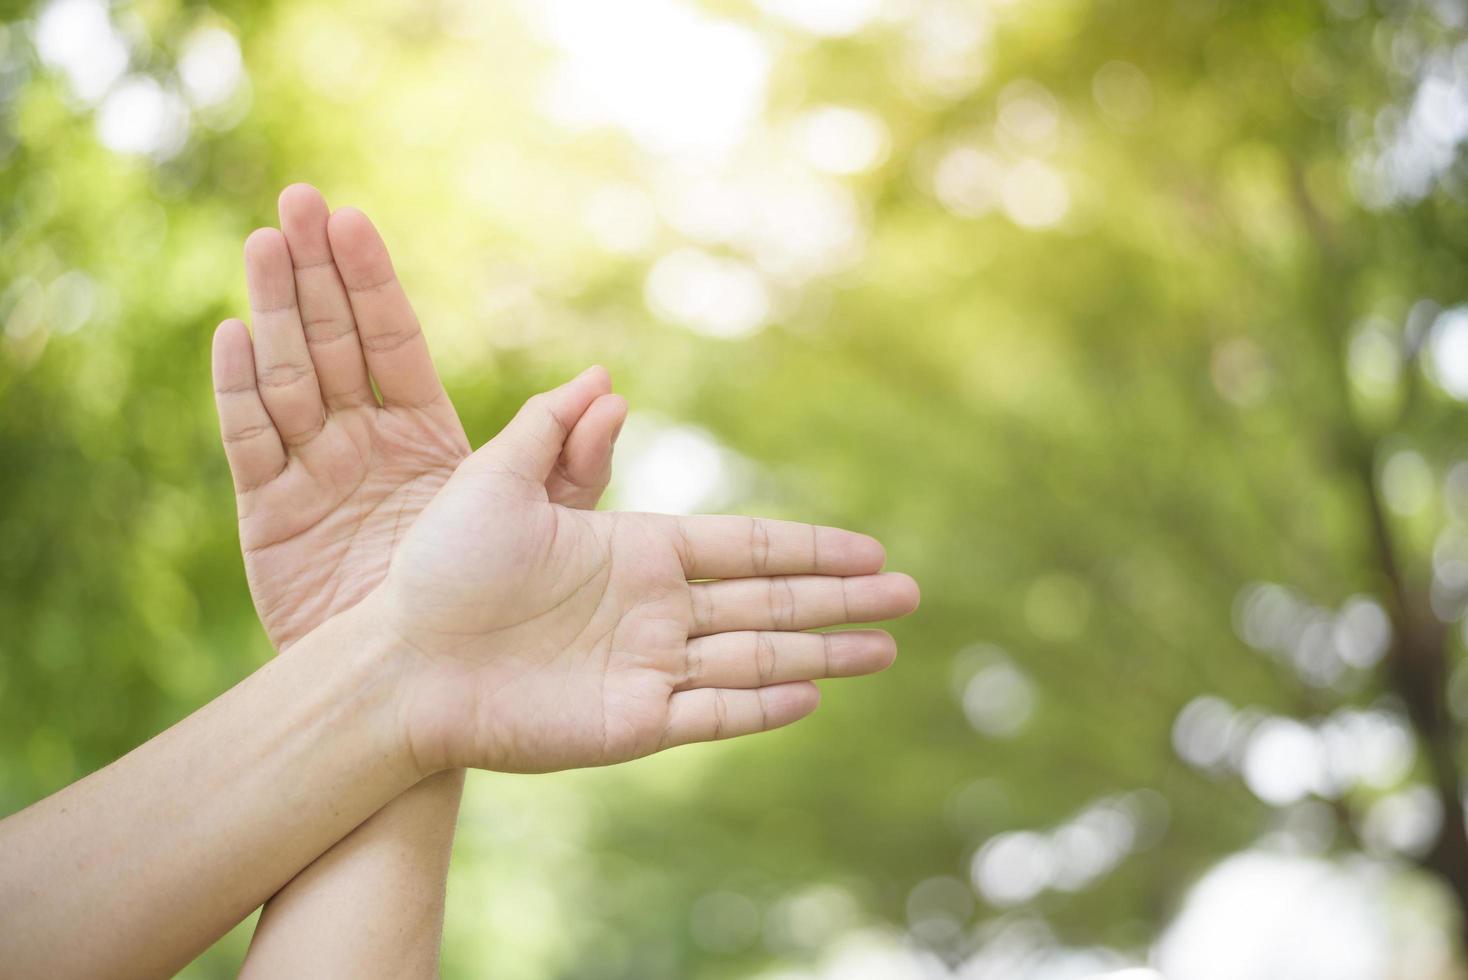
<point x="711" y="713"/>
<point x="742" y="547"/>
<point x="758" y="659"/>
<point x="251" y="443"/>
<point x="585" y="467"/>
<point x="397" y="354"/>
<point x="535" y="438"/>
<point x="326" y="314"/>
<point x="283" y="369"/>
<point x="799" y="602"/>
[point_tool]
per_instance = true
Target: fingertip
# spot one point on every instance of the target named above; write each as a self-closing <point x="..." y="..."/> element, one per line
<point x="269" y="272"/>
<point x="346" y="221"/>
<point x="587" y="456"/>
<point x="883" y="650"/>
<point x="357" y="247"/>
<point x="303" y="217"/>
<point x="605" y="413"/>
<point x="596" y="377"/>
<point x="888" y="657"/>
<point x="231" y="346"/>
<point x="573" y="401"/>
<point x="299" y="194"/>
<point x="617" y="429"/>
<point x="267" y="268"/>
<point x="262" y="242"/>
<point x="617" y="408"/>
<point x="301" y="206"/>
<point x="302" y="209"/>
<point x="229" y="330"/>
<point x="905" y="591"/>
<point x="790" y="702"/>
<point x="854" y="653"/>
<point x="842" y="552"/>
<point x="870" y="552"/>
<point x="806" y="697"/>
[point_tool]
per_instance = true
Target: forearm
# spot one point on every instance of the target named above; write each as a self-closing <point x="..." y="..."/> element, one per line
<point x="372" y="906"/>
<point x="137" y="868"/>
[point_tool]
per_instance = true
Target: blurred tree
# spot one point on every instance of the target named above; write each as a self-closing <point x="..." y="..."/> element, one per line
<point x="1130" y="327"/>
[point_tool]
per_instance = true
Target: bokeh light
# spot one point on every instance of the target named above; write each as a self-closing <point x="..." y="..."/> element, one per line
<point x="1137" y="334"/>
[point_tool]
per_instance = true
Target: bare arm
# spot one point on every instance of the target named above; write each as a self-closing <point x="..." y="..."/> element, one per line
<point x="524" y="638"/>
<point x="136" y="869"/>
<point x="373" y="905"/>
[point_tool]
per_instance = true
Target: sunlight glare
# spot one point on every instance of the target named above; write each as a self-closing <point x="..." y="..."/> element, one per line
<point x="1447" y="349"/>
<point x="840" y="140"/>
<point x="832" y="18"/>
<point x="676" y="79"/>
<point x="141" y="117"/>
<point x="671" y="469"/>
<point x="967" y="181"/>
<point x="708" y="294"/>
<point x="210" y="67"/>
<point x="1034" y="195"/>
<point x="77" y="37"/>
<point x="1259" y="915"/>
<point x="1283" y="762"/>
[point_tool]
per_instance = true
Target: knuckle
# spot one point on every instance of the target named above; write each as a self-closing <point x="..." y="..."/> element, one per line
<point x="324" y="330"/>
<point x="693" y="668"/>
<point x="781" y="597"/>
<point x="764" y="657"/>
<point x="300" y="438"/>
<point x="283" y="374"/>
<point x="247" y="432"/>
<point x="759" y="545"/>
<point x="721" y="713"/>
<point x="685" y="543"/>
<point x="703" y="607"/>
<point x="390" y="340"/>
<point x="235" y="389"/>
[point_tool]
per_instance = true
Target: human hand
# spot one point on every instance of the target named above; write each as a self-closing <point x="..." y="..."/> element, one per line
<point x="546" y="638"/>
<point x="327" y="480"/>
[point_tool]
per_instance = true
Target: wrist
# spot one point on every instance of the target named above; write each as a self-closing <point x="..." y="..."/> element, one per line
<point x="432" y="706"/>
<point x="373" y="669"/>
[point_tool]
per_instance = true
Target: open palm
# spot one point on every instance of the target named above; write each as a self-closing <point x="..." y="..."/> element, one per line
<point x="327" y="479"/>
<point x="553" y="638"/>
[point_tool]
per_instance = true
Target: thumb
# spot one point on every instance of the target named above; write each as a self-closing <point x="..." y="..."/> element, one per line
<point x="534" y="438"/>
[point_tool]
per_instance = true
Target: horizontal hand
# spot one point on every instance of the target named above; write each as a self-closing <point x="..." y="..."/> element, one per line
<point x="550" y="638"/>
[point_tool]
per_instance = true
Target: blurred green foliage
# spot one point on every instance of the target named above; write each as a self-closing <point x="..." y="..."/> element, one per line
<point x="1091" y="364"/>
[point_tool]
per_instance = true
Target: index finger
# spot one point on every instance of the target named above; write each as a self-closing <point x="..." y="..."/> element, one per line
<point x="750" y="547"/>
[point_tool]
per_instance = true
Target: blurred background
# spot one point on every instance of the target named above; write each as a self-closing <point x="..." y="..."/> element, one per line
<point x="1133" y="328"/>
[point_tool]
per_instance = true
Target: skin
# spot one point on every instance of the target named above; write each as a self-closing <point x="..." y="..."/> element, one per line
<point x="510" y="632"/>
<point x="553" y="638"/>
<point x="139" y="867"/>
<point x="327" y="479"/>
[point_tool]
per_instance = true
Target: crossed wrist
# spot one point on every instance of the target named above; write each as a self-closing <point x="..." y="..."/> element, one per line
<point x="373" y="672"/>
